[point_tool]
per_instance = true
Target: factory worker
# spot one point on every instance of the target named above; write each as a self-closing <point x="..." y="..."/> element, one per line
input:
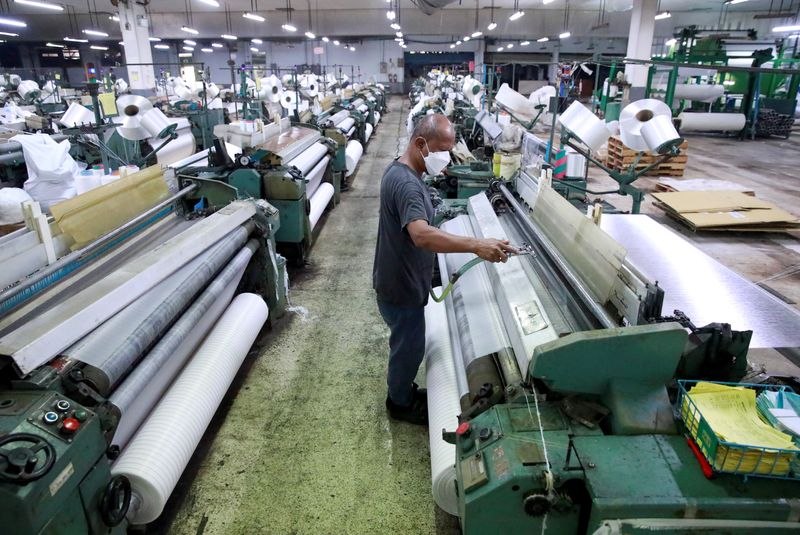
<point x="404" y="259"/>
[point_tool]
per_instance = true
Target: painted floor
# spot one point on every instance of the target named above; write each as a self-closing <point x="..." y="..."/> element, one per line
<point x="302" y="444"/>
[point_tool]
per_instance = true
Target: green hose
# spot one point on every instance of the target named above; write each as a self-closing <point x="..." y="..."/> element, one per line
<point x="453" y="278"/>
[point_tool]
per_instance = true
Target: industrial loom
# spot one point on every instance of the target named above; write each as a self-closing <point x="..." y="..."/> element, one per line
<point x="115" y="357"/>
<point x="551" y="377"/>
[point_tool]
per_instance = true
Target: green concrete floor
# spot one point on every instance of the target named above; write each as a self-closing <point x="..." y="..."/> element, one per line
<point x="302" y="443"/>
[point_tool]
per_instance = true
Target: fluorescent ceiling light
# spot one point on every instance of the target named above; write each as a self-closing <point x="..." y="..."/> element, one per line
<point x="217" y="45"/>
<point x="458" y="43"/>
<point x="352" y="48"/>
<point x="501" y="49"/>
<point x="9" y="34"/>
<point x="492" y="25"/>
<point x="510" y="45"/>
<point x="671" y="42"/>
<point x="394" y="26"/>
<point x="212" y="3"/>
<point x="452" y="46"/>
<point x="476" y="33"/>
<point x="257" y="41"/>
<point x="55" y="45"/>
<point x="115" y="18"/>
<point x="413" y="52"/>
<point x="95" y="32"/>
<point x="728" y="82"/>
<point x="391" y="15"/>
<point x="398" y="39"/>
<point x="253" y="49"/>
<point x="792" y="28"/>
<point x="207" y="50"/>
<point x="42" y="5"/>
<point x="543" y="40"/>
<point x="289" y="27"/>
<point x="404" y="45"/>
<point x="663" y="15"/>
<point x="98" y="47"/>
<point x="311" y="35"/>
<point x="229" y="37"/>
<point x="189" y="42"/>
<point x="466" y="38"/>
<point x="399" y="34"/>
<point x="153" y="39"/>
<point x="185" y="55"/>
<point x="122" y="43"/>
<point x="12" y="22"/>
<point x="325" y="39"/>
<point x="75" y="40"/>
<point x="545" y="2"/>
<point x="524" y="43"/>
<point x="335" y="42"/>
<point x="189" y="48"/>
<point x="516" y="15"/>
<point x="161" y="47"/>
<point x="564" y="35"/>
<point x="735" y="2"/>
<point x="189" y="30"/>
<point x="253" y="16"/>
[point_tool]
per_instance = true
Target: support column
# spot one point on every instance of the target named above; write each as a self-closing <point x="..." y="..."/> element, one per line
<point x="553" y="71"/>
<point x="640" y="44"/>
<point x="135" y="26"/>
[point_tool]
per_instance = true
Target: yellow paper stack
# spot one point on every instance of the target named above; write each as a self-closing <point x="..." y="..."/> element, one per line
<point x="731" y="415"/>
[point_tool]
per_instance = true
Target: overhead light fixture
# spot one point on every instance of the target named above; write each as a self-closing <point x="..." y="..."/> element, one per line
<point x="98" y="47"/>
<point x="398" y="39"/>
<point x="75" y="40"/>
<point x="452" y="46"/>
<point x="545" y="2"/>
<point x="217" y="45"/>
<point x="96" y="33"/>
<point x="476" y="34"/>
<point x="253" y="16"/>
<point x="792" y="28"/>
<point x="335" y="42"/>
<point x="391" y="15"/>
<point x="189" y="30"/>
<point x="325" y="39"/>
<point x="399" y="34"/>
<point x="122" y="43"/>
<point x="671" y="42"/>
<point x="732" y="2"/>
<point x="404" y="45"/>
<point x="55" y="45"/>
<point x="229" y="37"/>
<point x="257" y="41"/>
<point x="394" y="26"/>
<point x="289" y="27"/>
<point x="12" y="22"/>
<point x="728" y="82"/>
<point x="352" y="48"/>
<point x="253" y="49"/>
<point x="212" y="3"/>
<point x="189" y="48"/>
<point x="564" y="35"/>
<point x="458" y="43"/>
<point x="510" y="45"/>
<point x="466" y="38"/>
<point x="207" y="50"/>
<point x="115" y="18"/>
<point x="43" y="5"/>
<point x="516" y="15"/>
<point x="543" y="40"/>
<point x="153" y="39"/>
<point x="161" y="47"/>
<point x="311" y="35"/>
<point x="189" y="42"/>
<point x="9" y="34"/>
<point x="184" y="54"/>
<point x="492" y="25"/>
<point x="524" y="43"/>
<point x="663" y="15"/>
<point x="501" y="49"/>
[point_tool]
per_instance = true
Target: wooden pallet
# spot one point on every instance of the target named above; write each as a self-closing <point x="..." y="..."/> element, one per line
<point x="621" y="158"/>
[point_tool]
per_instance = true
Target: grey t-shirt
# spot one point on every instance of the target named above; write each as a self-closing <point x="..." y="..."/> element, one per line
<point x="402" y="271"/>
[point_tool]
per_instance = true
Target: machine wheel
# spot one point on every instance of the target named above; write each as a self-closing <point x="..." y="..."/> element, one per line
<point x="22" y="463"/>
<point x="115" y="501"/>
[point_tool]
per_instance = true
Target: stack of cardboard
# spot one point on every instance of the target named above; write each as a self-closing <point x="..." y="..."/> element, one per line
<point x="700" y="184"/>
<point x="725" y="210"/>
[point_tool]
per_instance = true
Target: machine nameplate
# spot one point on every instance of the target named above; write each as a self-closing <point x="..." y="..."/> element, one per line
<point x="530" y="453"/>
<point x="473" y="472"/>
<point x="530" y="317"/>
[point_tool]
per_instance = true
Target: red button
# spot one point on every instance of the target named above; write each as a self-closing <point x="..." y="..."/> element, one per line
<point x="462" y="429"/>
<point x="70" y="425"/>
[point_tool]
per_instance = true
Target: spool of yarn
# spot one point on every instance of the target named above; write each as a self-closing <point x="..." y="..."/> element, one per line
<point x="584" y="125"/>
<point x="120" y="86"/>
<point x="131" y="109"/>
<point x="28" y="89"/>
<point x="542" y="95"/>
<point x="76" y="115"/>
<point x="154" y="121"/>
<point x="512" y="101"/>
<point x="634" y="116"/>
<point x="660" y="134"/>
<point x="272" y="87"/>
<point x="289" y="100"/>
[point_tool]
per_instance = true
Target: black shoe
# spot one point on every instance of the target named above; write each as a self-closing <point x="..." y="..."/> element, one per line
<point x="420" y="393"/>
<point x="416" y="413"/>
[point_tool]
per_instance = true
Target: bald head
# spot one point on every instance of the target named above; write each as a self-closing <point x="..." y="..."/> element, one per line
<point x="435" y="128"/>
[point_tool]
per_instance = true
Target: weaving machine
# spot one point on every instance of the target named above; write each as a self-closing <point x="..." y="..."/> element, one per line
<point x="115" y="357"/>
<point x="550" y="376"/>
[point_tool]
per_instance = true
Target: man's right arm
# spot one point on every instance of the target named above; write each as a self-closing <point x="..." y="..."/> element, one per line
<point x="432" y="239"/>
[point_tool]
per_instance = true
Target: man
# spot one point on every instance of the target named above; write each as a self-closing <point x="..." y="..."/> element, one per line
<point x="404" y="259"/>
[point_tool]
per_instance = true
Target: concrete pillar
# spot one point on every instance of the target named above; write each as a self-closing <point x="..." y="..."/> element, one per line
<point x="640" y="42"/>
<point x="553" y="71"/>
<point x="135" y="26"/>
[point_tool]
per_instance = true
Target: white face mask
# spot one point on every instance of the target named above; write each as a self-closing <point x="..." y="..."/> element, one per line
<point x="435" y="162"/>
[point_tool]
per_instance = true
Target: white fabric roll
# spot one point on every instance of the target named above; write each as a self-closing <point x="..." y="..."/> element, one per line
<point x="377" y="117"/>
<point x="542" y="95"/>
<point x="315" y="176"/>
<point x="347" y="124"/>
<point x="352" y="154"/>
<point x="711" y="122"/>
<point x="350" y="132"/>
<point x="27" y="88"/>
<point x="176" y="150"/>
<point x="158" y="454"/>
<point x="363" y="108"/>
<point x="76" y="115"/>
<point x="613" y="127"/>
<point x="443" y="405"/>
<point x="585" y="125"/>
<point x="699" y="92"/>
<point x="319" y="201"/>
<point x="307" y="159"/>
<point x="516" y="103"/>
<point x="367" y="131"/>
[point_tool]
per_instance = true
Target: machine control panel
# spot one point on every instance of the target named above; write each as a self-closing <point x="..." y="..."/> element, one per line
<point x="59" y="416"/>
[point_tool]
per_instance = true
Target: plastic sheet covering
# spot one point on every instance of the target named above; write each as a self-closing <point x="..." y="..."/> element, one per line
<point x="118" y="343"/>
<point x="443" y="404"/>
<point x="367" y="132"/>
<point x="158" y="454"/>
<point x="592" y="253"/>
<point x="309" y="158"/>
<point x="315" y="176"/>
<point x="319" y="201"/>
<point x="352" y="154"/>
<point x="142" y="389"/>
